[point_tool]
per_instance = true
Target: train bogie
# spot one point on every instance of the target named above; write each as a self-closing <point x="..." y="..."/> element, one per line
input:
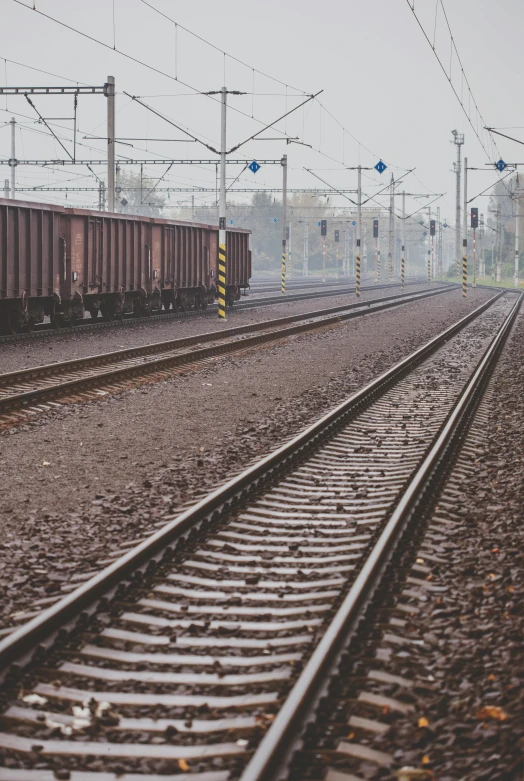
<point x="64" y="263"/>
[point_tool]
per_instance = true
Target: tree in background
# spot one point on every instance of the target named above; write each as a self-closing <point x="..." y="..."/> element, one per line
<point x="137" y="195"/>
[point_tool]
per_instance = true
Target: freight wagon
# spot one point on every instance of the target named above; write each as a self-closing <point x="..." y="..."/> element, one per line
<point x="64" y="262"/>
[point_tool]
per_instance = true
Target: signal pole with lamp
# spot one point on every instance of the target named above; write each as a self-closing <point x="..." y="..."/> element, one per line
<point x="465" y="238"/>
<point x="474" y="225"/>
<point x="377" y="250"/>
<point x="323" y="233"/>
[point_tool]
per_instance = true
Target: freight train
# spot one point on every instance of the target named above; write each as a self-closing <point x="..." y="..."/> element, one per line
<point x="61" y="263"/>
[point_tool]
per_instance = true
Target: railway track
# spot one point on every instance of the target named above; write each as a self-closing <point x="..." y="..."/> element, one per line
<point x="28" y="392"/>
<point x="202" y="652"/>
<point x="46" y="330"/>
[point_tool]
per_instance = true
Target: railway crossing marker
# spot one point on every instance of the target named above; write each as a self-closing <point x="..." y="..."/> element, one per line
<point x="380" y="167"/>
<point x="501" y="165"/>
<point x="254" y="166"/>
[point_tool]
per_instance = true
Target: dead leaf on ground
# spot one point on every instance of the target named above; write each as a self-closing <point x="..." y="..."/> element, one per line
<point x="492" y="712"/>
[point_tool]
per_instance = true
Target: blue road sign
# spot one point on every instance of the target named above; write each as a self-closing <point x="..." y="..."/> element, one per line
<point x="421" y="222"/>
<point x="501" y="165"/>
<point x="318" y="223"/>
<point x="425" y="233"/>
<point x="380" y="167"/>
<point x="254" y="166"/>
<point x="275" y="220"/>
<point x="231" y="222"/>
<point x="445" y="225"/>
<point x="353" y="223"/>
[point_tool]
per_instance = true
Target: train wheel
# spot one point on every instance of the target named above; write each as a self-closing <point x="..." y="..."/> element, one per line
<point x="56" y="320"/>
<point x="10" y="322"/>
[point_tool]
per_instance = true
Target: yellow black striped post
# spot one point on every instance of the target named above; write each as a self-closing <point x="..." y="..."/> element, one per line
<point x="357" y="275"/>
<point x="402" y="270"/>
<point x="284" y="268"/>
<point x="378" y="267"/>
<point x="429" y="266"/>
<point x="464" y="275"/>
<point x="222" y="281"/>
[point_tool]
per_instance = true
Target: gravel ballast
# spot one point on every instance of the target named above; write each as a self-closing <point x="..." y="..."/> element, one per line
<point x="58" y="347"/>
<point x="83" y="481"/>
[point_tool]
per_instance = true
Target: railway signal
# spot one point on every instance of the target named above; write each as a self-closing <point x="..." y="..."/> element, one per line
<point x="375" y="229"/>
<point x="323" y="227"/>
<point x="432" y="225"/>
<point x="337" y="235"/>
<point x="474" y="217"/>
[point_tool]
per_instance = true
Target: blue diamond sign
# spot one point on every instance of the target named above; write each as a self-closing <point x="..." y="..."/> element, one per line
<point x="501" y="165"/>
<point x="353" y="223"/>
<point x="275" y="220"/>
<point x="318" y="223"/>
<point x="445" y="224"/>
<point x="380" y="167"/>
<point x="425" y="233"/>
<point x="231" y="222"/>
<point x="254" y="166"/>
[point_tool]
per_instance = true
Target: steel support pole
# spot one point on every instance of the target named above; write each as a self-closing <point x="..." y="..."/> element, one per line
<point x="284" y="220"/>
<point x="359" y="230"/>
<point x="403" y="247"/>
<point x="111" y="143"/>
<point x="517" y="210"/>
<point x="192" y="208"/>
<point x="474" y="257"/>
<point x="390" y="232"/>
<point x="6" y="188"/>
<point x="222" y="262"/>
<point x="377" y="257"/>
<point x="465" y="237"/>
<point x="12" y="161"/>
<point x="482" y="265"/>
<point x="457" y="212"/>
<point x="289" y="262"/>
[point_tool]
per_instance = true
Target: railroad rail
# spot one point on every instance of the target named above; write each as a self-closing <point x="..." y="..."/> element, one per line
<point x="202" y="651"/>
<point x="27" y="392"/>
<point x="46" y="330"/>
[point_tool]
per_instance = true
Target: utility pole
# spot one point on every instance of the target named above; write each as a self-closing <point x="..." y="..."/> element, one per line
<point x="6" y="188"/>
<point x="111" y="143"/>
<point x="12" y="161"/>
<point x="359" y="229"/>
<point x="222" y="213"/>
<point x="377" y="253"/>
<point x="117" y="190"/>
<point x="474" y="257"/>
<point x="284" y="220"/>
<point x="439" y="246"/>
<point x="465" y="239"/>
<point x="517" y="210"/>
<point x="365" y="248"/>
<point x="390" y="234"/>
<point x="482" y="265"/>
<point x="429" y="245"/>
<point x="402" y="249"/>
<point x="458" y="139"/>
<point x="346" y="253"/>
<point x="192" y="208"/>
<point x="289" y="264"/>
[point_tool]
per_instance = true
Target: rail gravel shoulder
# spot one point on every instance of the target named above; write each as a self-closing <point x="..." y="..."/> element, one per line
<point x="36" y="637"/>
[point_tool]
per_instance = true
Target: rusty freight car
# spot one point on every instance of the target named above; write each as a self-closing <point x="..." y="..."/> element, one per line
<point x="60" y="263"/>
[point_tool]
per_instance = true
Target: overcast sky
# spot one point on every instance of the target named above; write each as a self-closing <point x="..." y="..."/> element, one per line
<point x="379" y="76"/>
